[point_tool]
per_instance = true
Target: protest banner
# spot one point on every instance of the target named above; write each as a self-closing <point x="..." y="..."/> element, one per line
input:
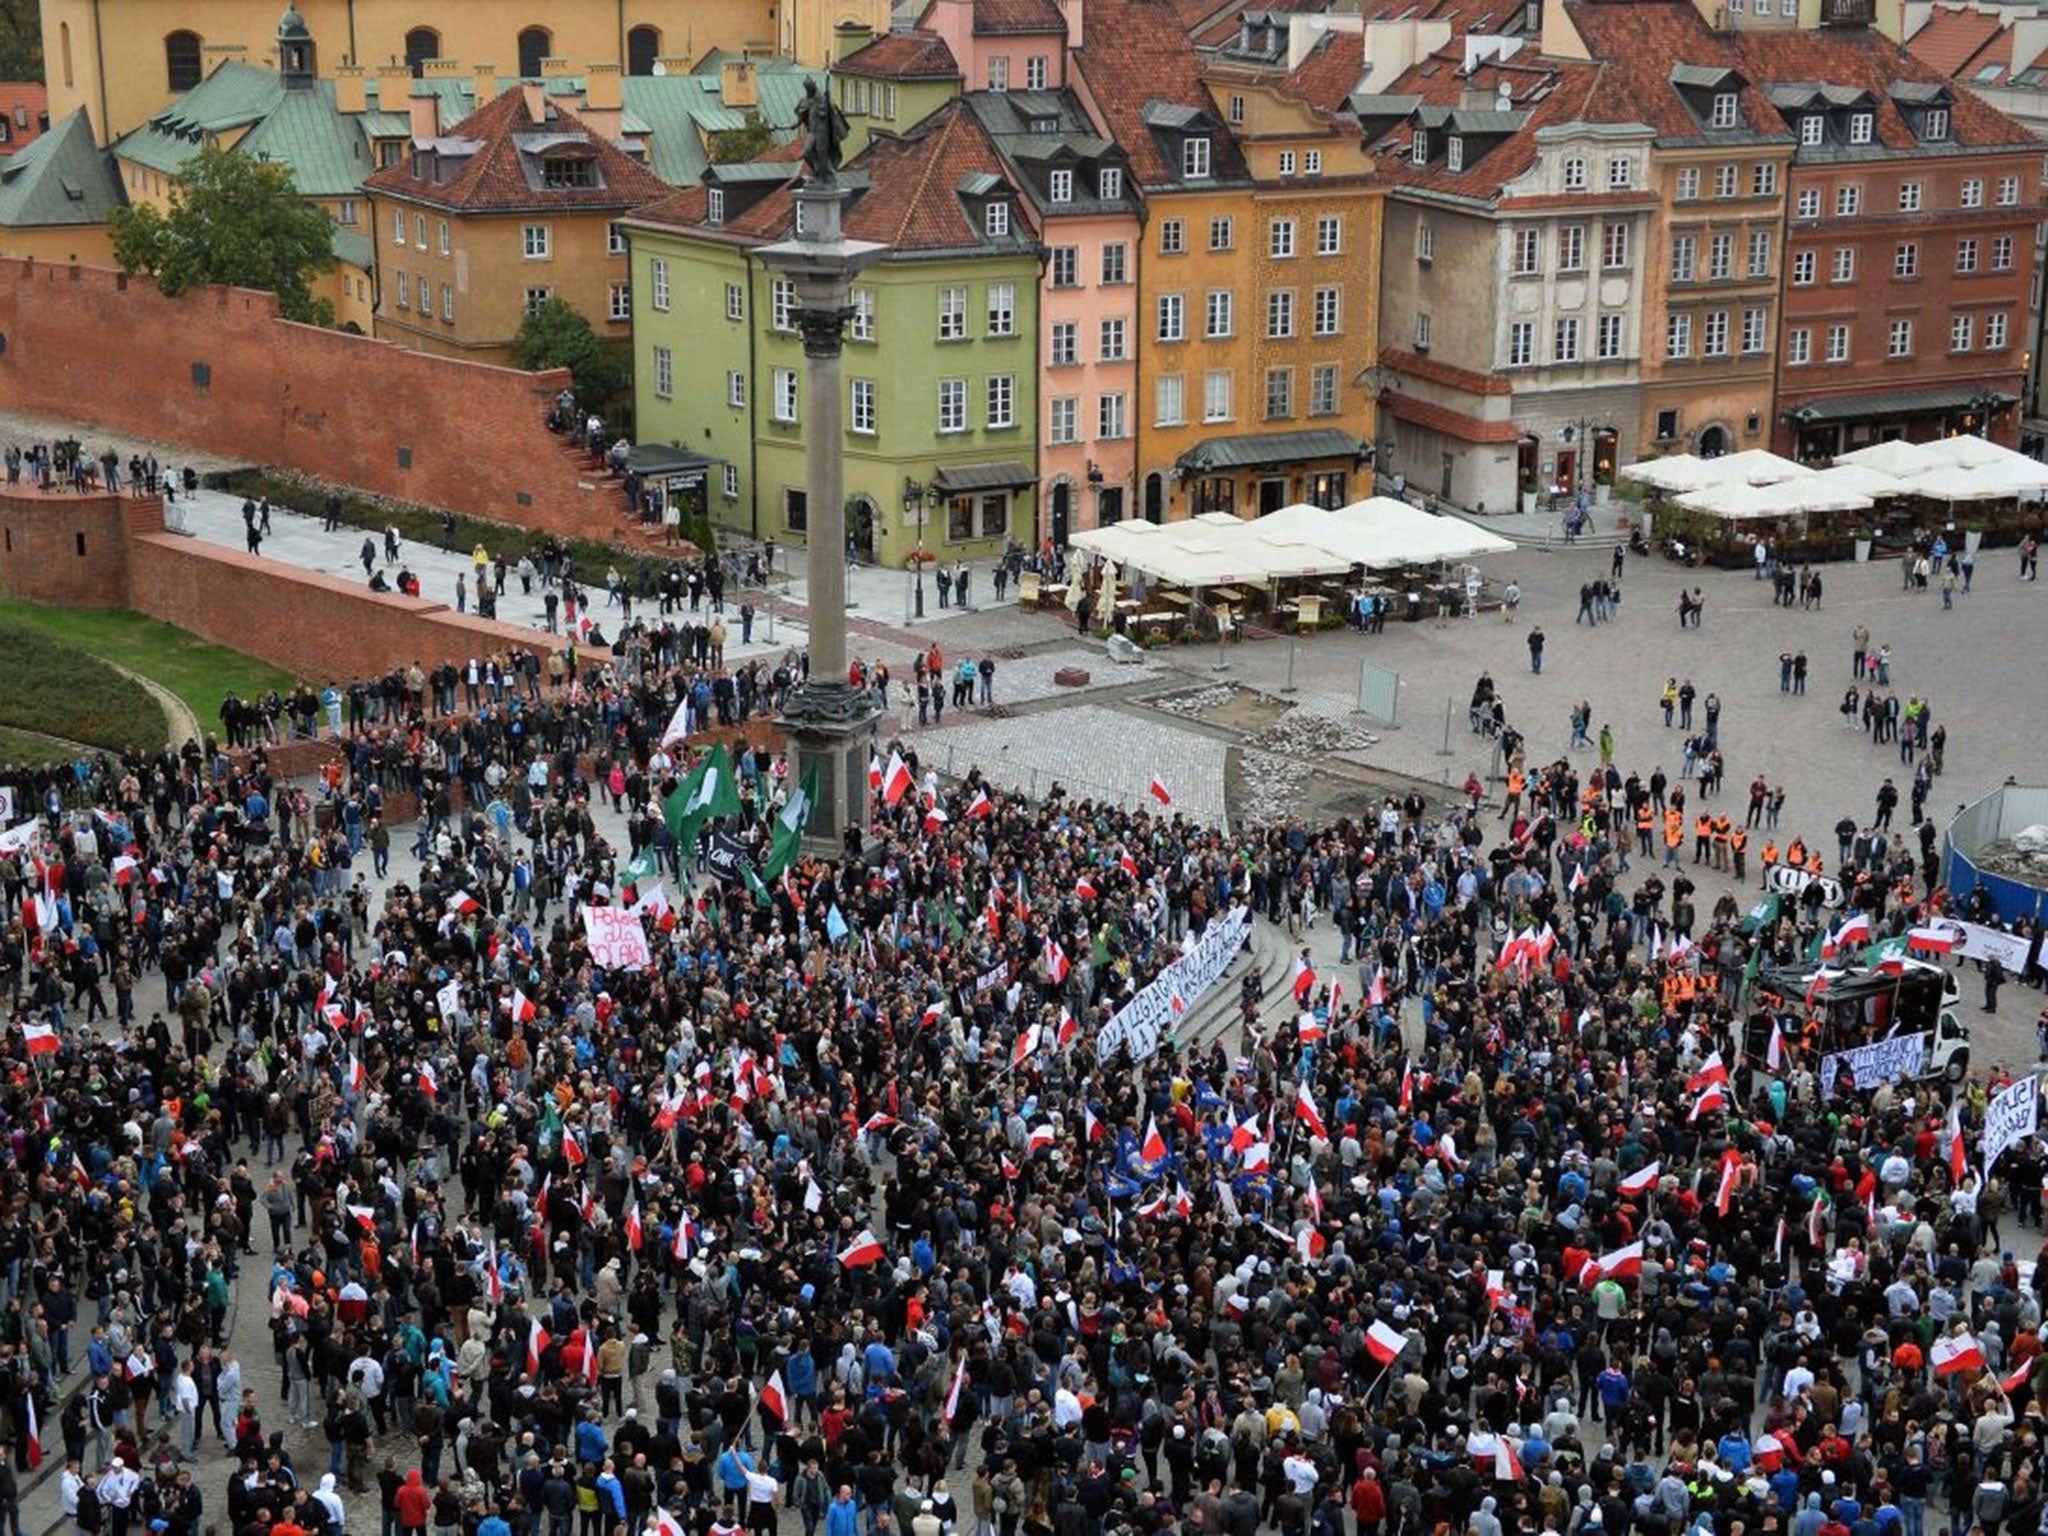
<point x="2011" y="1117"/>
<point x="617" y="941"/>
<point x="1138" y="1025"/>
<point x="1889" y="1060"/>
<point x="725" y="856"/>
<point x="1974" y="941"/>
<point x="1789" y="880"/>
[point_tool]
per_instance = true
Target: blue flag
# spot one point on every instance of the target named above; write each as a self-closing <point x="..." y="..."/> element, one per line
<point x="835" y="924"/>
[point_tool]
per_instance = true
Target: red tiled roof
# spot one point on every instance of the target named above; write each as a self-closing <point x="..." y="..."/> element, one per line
<point x="918" y="55"/>
<point x="1018" y="17"/>
<point x="1416" y="365"/>
<point x="1138" y="52"/>
<point x="26" y="106"/>
<point x="1548" y="91"/>
<point x="1441" y="418"/>
<point x="493" y="178"/>
<point x="1952" y="38"/>
<point x="1330" y="73"/>
<point x="1639" y="43"/>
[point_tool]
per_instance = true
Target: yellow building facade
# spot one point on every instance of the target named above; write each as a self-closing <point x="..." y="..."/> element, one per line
<point x="125" y="60"/>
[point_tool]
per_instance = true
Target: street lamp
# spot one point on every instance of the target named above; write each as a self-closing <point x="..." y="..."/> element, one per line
<point x="915" y="498"/>
<point x="1585" y="432"/>
<point x="1982" y="404"/>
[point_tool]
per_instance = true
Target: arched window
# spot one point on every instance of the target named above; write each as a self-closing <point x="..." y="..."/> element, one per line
<point x="64" y="48"/>
<point x="643" y="47"/>
<point x="421" y="44"/>
<point x="535" y="44"/>
<point x="181" y="60"/>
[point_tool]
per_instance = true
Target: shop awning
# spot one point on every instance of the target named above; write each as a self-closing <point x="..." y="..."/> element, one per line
<point x="655" y="461"/>
<point x="1253" y="451"/>
<point x="1903" y="402"/>
<point x="997" y="475"/>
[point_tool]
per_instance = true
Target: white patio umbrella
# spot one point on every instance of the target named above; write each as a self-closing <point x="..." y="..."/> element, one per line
<point x="1895" y="457"/>
<point x="1677" y="472"/>
<point x="1952" y="483"/>
<point x="1738" y="502"/>
<point x="1966" y="449"/>
<point x="2019" y="474"/>
<point x="1755" y="466"/>
<point x="1853" y="480"/>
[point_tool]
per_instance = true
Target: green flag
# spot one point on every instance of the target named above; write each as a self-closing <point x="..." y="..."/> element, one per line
<point x="675" y="809"/>
<point x="708" y="793"/>
<point x="643" y="865"/>
<point x="751" y="879"/>
<point x="788" y="835"/>
<point x="1762" y="915"/>
<point x="1749" y="972"/>
<point x="1818" y="943"/>
<point x="1892" y="951"/>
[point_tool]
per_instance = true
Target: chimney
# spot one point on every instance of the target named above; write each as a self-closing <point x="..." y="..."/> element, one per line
<point x="485" y="84"/>
<point x="1076" y="34"/>
<point x="557" y="69"/>
<point x="737" y="86"/>
<point x="849" y="37"/>
<point x="536" y="101"/>
<point x="394" y="85"/>
<point x="603" y="90"/>
<point x="425" y="107"/>
<point x="351" y="89"/>
<point x="440" y="69"/>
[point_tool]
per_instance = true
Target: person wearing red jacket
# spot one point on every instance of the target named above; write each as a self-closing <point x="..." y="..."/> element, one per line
<point x="415" y="1502"/>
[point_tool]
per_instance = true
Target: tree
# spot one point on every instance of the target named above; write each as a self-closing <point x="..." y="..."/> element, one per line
<point x="231" y="220"/>
<point x="554" y="334"/>
<point x="750" y="141"/>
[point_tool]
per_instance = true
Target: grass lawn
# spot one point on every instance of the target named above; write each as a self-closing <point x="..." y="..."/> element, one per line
<point x="196" y="670"/>
<point x="33" y="747"/>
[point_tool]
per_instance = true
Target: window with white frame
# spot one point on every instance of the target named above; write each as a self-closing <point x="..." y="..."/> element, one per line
<point x="1173" y="237"/>
<point x="736" y="389"/>
<point x="664" y="373"/>
<point x="1966" y="255"/>
<point x="862" y="326"/>
<point x="1970" y="194"/>
<point x="1280" y="239"/>
<point x="1062" y="417"/>
<point x="953" y="313"/>
<point x="782" y="395"/>
<point x="535" y="297"/>
<point x="995" y="219"/>
<point x="1280" y="314"/>
<point x="1425" y="243"/>
<point x="1621" y="173"/>
<point x="1962" y="332"/>
<point x="657" y="282"/>
<point x="735" y="301"/>
<point x="1614" y="247"/>
<point x="1714" y="333"/>
<point x="1838" y="344"/>
<point x="1312" y="162"/>
<point x="1171" y="312"/>
<point x="781" y="304"/>
<point x="730" y="482"/>
<point x="1688" y="188"/>
<point x="1168" y="400"/>
<point x="1221" y="314"/>
<point x="1222" y="232"/>
<point x="952" y="405"/>
<point x="1115" y="340"/>
<point x="620" y="301"/>
<point x="1064" y="349"/>
<point x="2001" y="253"/>
<point x="1002" y="309"/>
<point x="1564" y="340"/>
<point x="1909" y="196"/>
<point x="398" y="226"/>
<point x="1844" y="269"/>
<point x="1799" y="346"/>
<point x="1418" y="153"/>
<point x="1813" y="130"/>
<point x="1064" y="267"/>
<point x="403" y="289"/>
<point x="1678" y="336"/>
<point x="1109" y="183"/>
<point x="1528" y="251"/>
<point x="2008" y="191"/>
<point x="1862" y="125"/>
<point x="1329" y="315"/>
<point x="419" y="230"/>
<point x="1809" y="203"/>
<point x="1454" y="152"/>
<point x="860" y="407"/>
<point x="1112" y="416"/>
<point x="1329" y="235"/>
<point x="1726" y="111"/>
<point x="1994" y="332"/>
<point x="534" y="241"/>
<point x="1322" y="390"/>
<point x="1575" y="173"/>
<point x="1752" y="332"/>
<point x="1286" y="162"/>
<point x="1001" y="396"/>
<point x="1607" y="339"/>
<point x="1422" y="330"/>
<point x="1724" y="181"/>
<point x="1803" y="264"/>
<point x="1763" y="179"/>
<point x="1059" y="187"/>
<point x="1900" y="343"/>
<point x="1906" y="259"/>
<point x="446" y="242"/>
<point x="1720" y="257"/>
<point x="1116" y="263"/>
<point x="1848" y="202"/>
<point x="1571" y="248"/>
<point x="1759" y="253"/>
<point x="1684" y="258"/>
<point x="448" y="301"/>
<point x="1194" y="158"/>
<point x="1279" y="394"/>
<point x="1934" y="127"/>
<point x="614" y="239"/>
<point x="1216" y="395"/>
<point x="1035" y="72"/>
<point x="1521" y="343"/>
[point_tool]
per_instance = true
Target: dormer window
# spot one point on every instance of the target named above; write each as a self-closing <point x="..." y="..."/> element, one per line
<point x="1194" y="158"/>
<point x="1813" y="130"/>
<point x="1109" y="183"/>
<point x="1726" y="114"/>
<point x="1060" y="187"/>
<point x="1286" y="162"/>
<point x="1418" y="151"/>
<point x="565" y="171"/>
<point x="995" y="219"/>
<point x="1620" y="174"/>
<point x="1574" y="174"/>
<point x="1861" y="126"/>
<point x="1236" y="108"/>
<point x="714" y="205"/>
<point x="1454" y="153"/>
<point x="1935" y="127"/>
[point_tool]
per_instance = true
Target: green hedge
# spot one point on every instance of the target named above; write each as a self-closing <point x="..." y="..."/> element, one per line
<point x="58" y="690"/>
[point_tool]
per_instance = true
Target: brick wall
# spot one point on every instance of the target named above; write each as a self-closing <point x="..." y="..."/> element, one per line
<point x="217" y="370"/>
<point x="68" y="549"/>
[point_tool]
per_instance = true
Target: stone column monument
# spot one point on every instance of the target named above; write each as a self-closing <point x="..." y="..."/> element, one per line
<point x="830" y="724"/>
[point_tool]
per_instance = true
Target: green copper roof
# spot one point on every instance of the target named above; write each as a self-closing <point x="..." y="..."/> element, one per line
<point x="325" y="149"/>
<point x="61" y="178"/>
